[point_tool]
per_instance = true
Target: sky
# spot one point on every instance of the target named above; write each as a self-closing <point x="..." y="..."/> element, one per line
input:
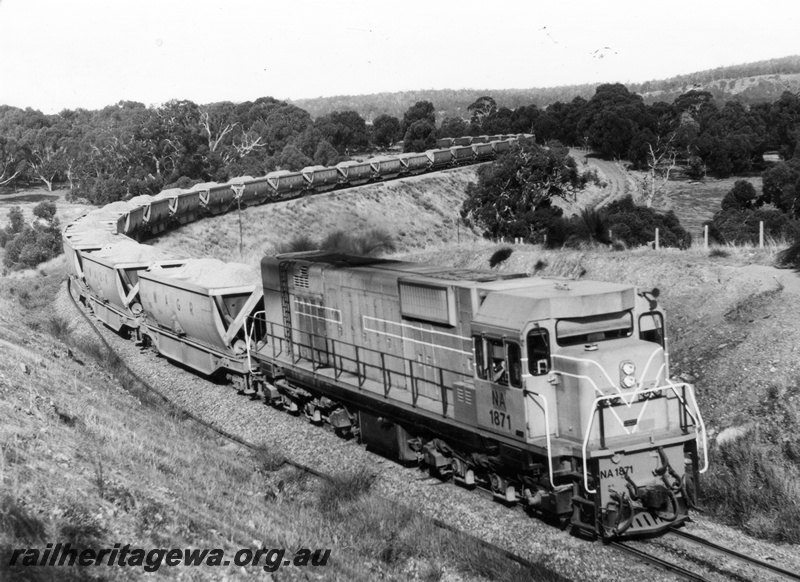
<point x="65" y="54"/>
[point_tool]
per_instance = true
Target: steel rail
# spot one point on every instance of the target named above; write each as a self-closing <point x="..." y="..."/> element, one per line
<point x="734" y="554"/>
<point x="525" y="563"/>
<point x="656" y="561"/>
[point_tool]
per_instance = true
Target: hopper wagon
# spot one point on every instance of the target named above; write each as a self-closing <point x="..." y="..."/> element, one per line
<point x="112" y="275"/>
<point x="196" y="313"/>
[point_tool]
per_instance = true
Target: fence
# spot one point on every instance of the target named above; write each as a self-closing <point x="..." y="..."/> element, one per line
<point x="657" y="245"/>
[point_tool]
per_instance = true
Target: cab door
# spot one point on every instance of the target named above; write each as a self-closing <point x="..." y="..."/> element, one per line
<point x="498" y="385"/>
<point x="541" y="402"/>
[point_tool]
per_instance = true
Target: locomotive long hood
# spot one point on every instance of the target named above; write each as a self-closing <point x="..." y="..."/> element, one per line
<point x="554" y="299"/>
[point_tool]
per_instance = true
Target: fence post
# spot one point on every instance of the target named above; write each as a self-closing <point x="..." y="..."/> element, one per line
<point x="705" y="237"/>
<point x="657" y="239"/>
<point x="761" y="234"/>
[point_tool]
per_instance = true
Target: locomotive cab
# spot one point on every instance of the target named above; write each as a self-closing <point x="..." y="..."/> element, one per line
<point x="586" y="381"/>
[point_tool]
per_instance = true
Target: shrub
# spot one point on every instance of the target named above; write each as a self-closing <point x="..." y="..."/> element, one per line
<point x="499" y="256"/>
<point x="748" y="488"/>
<point x="28" y="245"/>
<point x="636" y="225"/>
<point x="18" y="522"/>
<point x="790" y="257"/>
<point x="742" y="196"/>
<point x="741" y="226"/>
<point x="300" y="243"/>
<point x="345" y="487"/>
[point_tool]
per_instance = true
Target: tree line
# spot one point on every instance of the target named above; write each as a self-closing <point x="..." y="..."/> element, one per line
<point x="749" y="83"/>
<point x="129" y="149"/>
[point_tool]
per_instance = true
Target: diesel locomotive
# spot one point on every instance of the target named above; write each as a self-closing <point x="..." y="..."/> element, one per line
<point x="551" y="393"/>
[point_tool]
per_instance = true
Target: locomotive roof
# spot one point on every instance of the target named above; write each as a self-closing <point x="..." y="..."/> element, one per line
<point x="507" y="298"/>
<point x="505" y="305"/>
<point x="443" y="274"/>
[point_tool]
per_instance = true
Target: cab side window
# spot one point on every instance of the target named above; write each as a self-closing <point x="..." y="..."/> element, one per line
<point x="480" y="360"/>
<point x="514" y="364"/>
<point x="497" y="361"/>
<point x="538" y="352"/>
<point x="651" y="328"/>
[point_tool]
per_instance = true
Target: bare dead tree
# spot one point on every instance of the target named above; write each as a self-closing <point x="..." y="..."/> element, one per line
<point x="248" y="143"/>
<point x="661" y="160"/>
<point x="215" y="136"/>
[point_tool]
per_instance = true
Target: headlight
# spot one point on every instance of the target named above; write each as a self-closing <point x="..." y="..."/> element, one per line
<point x="628" y="368"/>
<point x="628" y="382"/>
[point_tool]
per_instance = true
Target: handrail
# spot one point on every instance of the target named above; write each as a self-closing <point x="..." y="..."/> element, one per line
<point x="673" y="387"/>
<point x="248" y="336"/>
<point x="386" y="372"/>
<point x="547" y="432"/>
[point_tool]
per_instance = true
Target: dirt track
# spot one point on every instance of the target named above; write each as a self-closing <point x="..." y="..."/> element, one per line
<point x="616" y="182"/>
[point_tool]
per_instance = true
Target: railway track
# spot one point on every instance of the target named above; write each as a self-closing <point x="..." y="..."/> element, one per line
<point x="658" y="562"/>
<point x="520" y="560"/>
<point x="736" y="555"/>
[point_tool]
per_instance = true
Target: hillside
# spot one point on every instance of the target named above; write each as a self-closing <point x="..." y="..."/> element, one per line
<point x="761" y="81"/>
<point x="417" y="212"/>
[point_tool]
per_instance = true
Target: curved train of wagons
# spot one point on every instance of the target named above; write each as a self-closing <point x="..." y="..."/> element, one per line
<point x="552" y="393"/>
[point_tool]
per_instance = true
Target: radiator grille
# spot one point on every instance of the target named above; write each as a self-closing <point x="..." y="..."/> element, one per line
<point x="301" y="277"/>
<point x="424" y="302"/>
